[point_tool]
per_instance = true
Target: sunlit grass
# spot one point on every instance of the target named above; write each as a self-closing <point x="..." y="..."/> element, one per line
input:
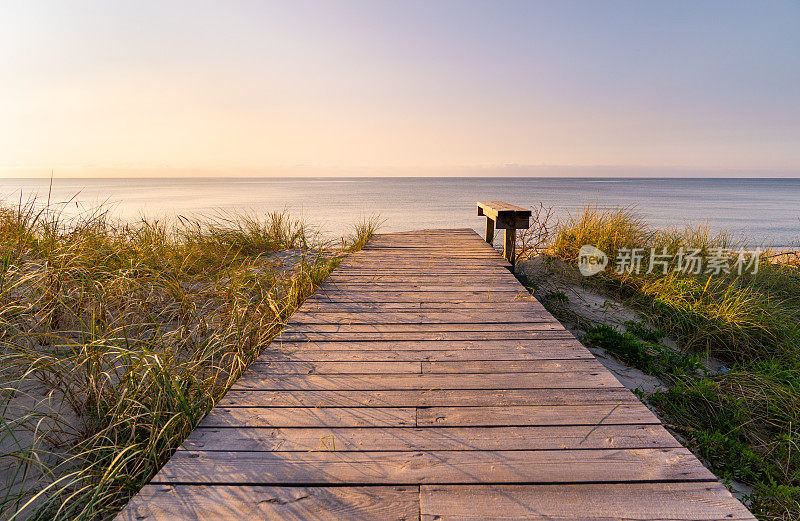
<point x="116" y="339"/>
<point x="744" y="422"/>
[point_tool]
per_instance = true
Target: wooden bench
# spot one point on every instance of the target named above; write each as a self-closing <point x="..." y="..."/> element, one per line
<point x="504" y="216"/>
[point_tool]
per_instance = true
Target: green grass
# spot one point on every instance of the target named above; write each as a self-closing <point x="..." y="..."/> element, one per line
<point x="745" y="422"/>
<point x="116" y="339"/>
<point x="638" y="347"/>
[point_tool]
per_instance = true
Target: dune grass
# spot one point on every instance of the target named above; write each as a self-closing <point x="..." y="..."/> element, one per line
<point x="745" y="422"/>
<point x="116" y="339"/>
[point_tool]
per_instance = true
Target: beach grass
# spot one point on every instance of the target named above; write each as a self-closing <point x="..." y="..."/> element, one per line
<point x="744" y="421"/>
<point x="117" y="338"/>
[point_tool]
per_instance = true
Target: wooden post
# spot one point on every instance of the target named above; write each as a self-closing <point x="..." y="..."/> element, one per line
<point x="490" y="230"/>
<point x="509" y="245"/>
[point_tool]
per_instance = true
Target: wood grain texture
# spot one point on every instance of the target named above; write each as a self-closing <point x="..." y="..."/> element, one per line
<point x="422" y="381"/>
<point x="418" y="467"/>
<point x="216" y="503"/>
<point x="475" y="316"/>
<point x="427" y="398"/>
<point x="242" y="438"/>
<point x="557" y="345"/>
<point x="536" y="415"/>
<point x="332" y="354"/>
<point x="315" y="307"/>
<point x="299" y="367"/>
<point x="544" y="380"/>
<point x="703" y="501"/>
<point x="309" y="417"/>
<point x="431" y="297"/>
<point x="454" y="327"/>
<point x="348" y="335"/>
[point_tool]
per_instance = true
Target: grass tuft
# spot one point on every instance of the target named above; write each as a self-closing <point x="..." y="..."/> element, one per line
<point x="743" y="421"/>
<point x="117" y="338"/>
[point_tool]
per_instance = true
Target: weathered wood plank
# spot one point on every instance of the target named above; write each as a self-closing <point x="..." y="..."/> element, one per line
<point x="449" y="297"/>
<point x="557" y="345"/>
<point x="476" y="316"/>
<point x="702" y="501"/>
<point x="535" y="415"/>
<point x="427" y="398"/>
<point x="322" y="307"/>
<point x="506" y="366"/>
<point x="410" y="468"/>
<point x="406" y="257"/>
<point x="309" y="417"/>
<point x="241" y="438"/>
<point x="549" y="325"/>
<point x="421" y="287"/>
<point x="469" y="416"/>
<point x="566" y="379"/>
<point x="372" y="353"/>
<point x="410" y="269"/>
<point x="235" y="503"/>
<point x="421" y="336"/>
<point x="297" y="367"/>
<point x="500" y="275"/>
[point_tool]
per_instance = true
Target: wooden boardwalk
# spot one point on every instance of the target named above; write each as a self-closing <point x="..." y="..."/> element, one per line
<point x="422" y="382"/>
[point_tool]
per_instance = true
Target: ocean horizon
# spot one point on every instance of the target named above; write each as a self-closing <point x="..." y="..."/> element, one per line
<point x="758" y="211"/>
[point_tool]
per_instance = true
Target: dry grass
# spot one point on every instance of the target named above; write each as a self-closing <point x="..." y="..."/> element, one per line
<point x="116" y="339"/>
<point x="743" y="422"/>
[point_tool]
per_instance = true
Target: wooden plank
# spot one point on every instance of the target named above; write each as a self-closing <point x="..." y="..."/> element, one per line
<point x="546" y="345"/>
<point x="426" y="397"/>
<point x="412" y="282"/>
<point x="374" y="263"/>
<point x="450" y="297"/>
<point x="309" y="417"/>
<point x="506" y="366"/>
<point x="421" y="287"/>
<point x="476" y="316"/>
<point x="373" y="354"/>
<point x="387" y="273"/>
<point x="421" y="336"/>
<point x="346" y="267"/>
<point x="411" y="468"/>
<point x="481" y="277"/>
<point x="422" y="263"/>
<point x="499" y="207"/>
<point x="229" y="503"/>
<point x="417" y="252"/>
<point x="322" y="307"/>
<point x="468" y="416"/>
<point x="286" y="367"/>
<point x="590" y="415"/>
<point x="298" y="367"/>
<point x="550" y="325"/>
<point x="701" y="501"/>
<point x="566" y="379"/>
<point x="396" y="257"/>
<point x="241" y="438"/>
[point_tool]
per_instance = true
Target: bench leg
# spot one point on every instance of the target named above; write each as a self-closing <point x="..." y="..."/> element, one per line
<point x="510" y="244"/>
<point x="489" y="231"/>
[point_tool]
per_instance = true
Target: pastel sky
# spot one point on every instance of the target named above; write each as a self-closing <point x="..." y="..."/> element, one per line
<point x="378" y="87"/>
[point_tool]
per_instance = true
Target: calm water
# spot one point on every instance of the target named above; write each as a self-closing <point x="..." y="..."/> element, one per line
<point x="762" y="211"/>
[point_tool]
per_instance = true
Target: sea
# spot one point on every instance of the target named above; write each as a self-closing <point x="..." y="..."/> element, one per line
<point x="759" y="212"/>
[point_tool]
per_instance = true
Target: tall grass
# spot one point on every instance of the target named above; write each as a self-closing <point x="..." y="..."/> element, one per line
<point x="743" y="422"/>
<point x="116" y="339"/>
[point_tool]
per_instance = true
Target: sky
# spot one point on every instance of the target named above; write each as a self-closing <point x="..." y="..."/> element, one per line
<point x="185" y="88"/>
